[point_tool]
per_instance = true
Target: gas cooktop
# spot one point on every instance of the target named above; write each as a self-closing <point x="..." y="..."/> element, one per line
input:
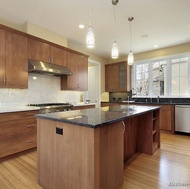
<point x="50" y="104"/>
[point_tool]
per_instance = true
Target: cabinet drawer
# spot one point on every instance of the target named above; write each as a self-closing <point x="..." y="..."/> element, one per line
<point x="17" y="115"/>
<point x="17" y="127"/>
<point x="17" y="144"/>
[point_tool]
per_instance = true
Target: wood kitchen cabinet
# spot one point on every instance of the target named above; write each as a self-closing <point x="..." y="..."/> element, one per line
<point x="83" y="107"/>
<point x="94" y="161"/>
<point x="78" y="64"/>
<point x="18" y="132"/>
<point x="2" y="57"/>
<point x="117" y="77"/>
<point x="42" y="51"/>
<point x="13" y="60"/>
<point x="167" y="118"/>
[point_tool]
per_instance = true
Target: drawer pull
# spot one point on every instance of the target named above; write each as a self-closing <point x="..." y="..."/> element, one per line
<point x="31" y="125"/>
<point x="30" y="141"/>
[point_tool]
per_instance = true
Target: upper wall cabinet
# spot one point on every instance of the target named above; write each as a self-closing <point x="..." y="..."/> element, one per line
<point x="13" y="60"/>
<point x="78" y="64"/>
<point x="42" y="51"/>
<point x="117" y="77"/>
<point x="2" y="57"/>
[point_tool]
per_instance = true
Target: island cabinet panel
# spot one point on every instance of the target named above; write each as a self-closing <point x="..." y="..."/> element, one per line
<point x="17" y="132"/>
<point x="149" y="132"/>
<point x="130" y="137"/>
<point x="13" y="60"/>
<point x="72" y="159"/>
<point x="117" y="77"/>
<point x="78" y="64"/>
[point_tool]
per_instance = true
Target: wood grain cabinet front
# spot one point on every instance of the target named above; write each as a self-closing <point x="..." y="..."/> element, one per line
<point x="13" y="60"/>
<point x="38" y="50"/>
<point x="117" y="77"/>
<point x="78" y="64"/>
<point x="18" y="132"/>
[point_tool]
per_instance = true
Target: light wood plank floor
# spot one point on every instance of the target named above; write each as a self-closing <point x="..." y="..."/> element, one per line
<point x="168" y="168"/>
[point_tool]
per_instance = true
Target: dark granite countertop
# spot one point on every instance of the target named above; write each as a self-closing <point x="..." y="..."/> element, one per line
<point x="152" y="103"/>
<point x="97" y="117"/>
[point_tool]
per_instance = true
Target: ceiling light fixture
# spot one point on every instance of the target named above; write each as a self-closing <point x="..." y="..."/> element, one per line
<point x="90" y="38"/>
<point x="81" y="26"/>
<point x="130" y="55"/>
<point x="114" y="51"/>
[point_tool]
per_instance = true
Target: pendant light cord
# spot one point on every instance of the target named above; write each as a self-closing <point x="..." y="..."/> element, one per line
<point x="130" y="19"/>
<point x="130" y="35"/>
<point x="114" y="16"/>
<point x="90" y="13"/>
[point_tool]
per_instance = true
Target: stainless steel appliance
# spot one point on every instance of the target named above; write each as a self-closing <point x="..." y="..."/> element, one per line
<point x="35" y="66"/>
<point x="53" y="107"/>
<point x="182" y="118"/>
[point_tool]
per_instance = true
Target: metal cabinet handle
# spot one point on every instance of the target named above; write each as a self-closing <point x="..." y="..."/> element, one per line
<point x="31" y="125"/>
<point x="123" y="127"/>
<point x="30" y="141"/>
<point x="4" y="80"/>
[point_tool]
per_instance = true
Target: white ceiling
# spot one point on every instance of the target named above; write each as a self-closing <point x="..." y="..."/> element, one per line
<point x="167" y="22"/>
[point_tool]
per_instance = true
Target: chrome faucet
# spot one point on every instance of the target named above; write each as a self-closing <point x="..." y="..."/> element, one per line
<point x="158" y="99"/>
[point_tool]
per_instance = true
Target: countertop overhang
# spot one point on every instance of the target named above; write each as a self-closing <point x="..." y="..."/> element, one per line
<point x="97" y="117"/>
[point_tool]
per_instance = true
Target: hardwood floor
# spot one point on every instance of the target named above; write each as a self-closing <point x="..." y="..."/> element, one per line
<point x="168" y="168"/>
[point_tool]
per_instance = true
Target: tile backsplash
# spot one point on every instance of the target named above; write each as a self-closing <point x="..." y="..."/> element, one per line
<point x="43" y="89"/>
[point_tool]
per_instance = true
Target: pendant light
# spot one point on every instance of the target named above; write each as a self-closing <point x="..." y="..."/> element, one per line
<point x="90" y="38"/>
<point x="130" y="55"/>
<point x="114" y="51"/>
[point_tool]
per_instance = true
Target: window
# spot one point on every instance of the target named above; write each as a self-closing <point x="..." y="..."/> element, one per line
<point x="179" y="77"/>
<point x="142" y="79"/>
<point x="159" y="82"/>
<point x="163" y="77"/>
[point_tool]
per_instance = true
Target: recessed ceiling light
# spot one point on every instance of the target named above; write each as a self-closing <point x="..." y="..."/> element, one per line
<point x="81" y="26"/>
<point x="145" y="36"/>
<point x="155" y="46"/>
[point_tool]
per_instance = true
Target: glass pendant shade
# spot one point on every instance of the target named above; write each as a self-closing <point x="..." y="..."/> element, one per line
<point x="90" y="38"/>
<point x="114" y="51"/>
<point x="130" y="58"/>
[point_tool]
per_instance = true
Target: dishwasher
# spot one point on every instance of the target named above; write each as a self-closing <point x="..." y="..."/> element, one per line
<point x="182" y="118"/>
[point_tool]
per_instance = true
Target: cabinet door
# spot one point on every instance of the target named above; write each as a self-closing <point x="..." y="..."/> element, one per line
<point x="117" y="77"/>
<point x="72" y="64"/>
<point x="167" y="118"/>
<point x="58" y="56"/>
<point x="2" y="57"/>
<point x="83" y="73"/>
<point x="112" y="77"/>
<point x="38" y="50"/>
<point x="124" y="77"/>
<point x="16" y="60"/>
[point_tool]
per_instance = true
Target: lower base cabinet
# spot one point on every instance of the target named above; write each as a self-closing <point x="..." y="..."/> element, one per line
<point x="82" y="158"/>
<point x="18" y="132"/>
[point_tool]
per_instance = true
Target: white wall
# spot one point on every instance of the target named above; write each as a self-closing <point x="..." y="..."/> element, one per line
<point x="44" y="89"/>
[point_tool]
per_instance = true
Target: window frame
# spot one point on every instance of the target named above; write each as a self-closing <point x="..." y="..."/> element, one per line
<point x="168" y="59"/>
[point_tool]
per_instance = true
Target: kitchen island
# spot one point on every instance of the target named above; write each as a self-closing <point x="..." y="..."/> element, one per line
<point x="86" y="149"/>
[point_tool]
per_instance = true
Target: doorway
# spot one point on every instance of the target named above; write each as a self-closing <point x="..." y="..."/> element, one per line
<point x="93" y="93"/>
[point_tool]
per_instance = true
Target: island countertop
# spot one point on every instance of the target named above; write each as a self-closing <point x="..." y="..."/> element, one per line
<point x="97" y="117"/>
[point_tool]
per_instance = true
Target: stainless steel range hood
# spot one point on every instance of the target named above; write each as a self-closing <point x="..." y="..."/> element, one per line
<point x="40" y="67"/>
